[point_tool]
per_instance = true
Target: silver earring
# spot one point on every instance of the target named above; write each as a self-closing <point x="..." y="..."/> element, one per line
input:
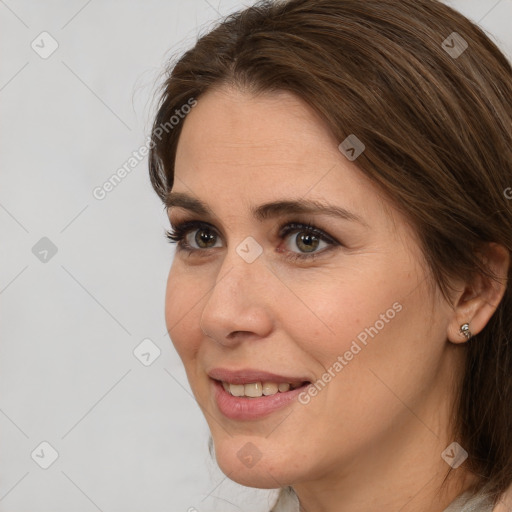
<point x="464" y="330"/>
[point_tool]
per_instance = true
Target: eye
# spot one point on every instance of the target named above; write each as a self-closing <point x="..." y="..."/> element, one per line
<point x="193" y="235"/>
<point x="197" y="237"/>
<point x="310" y="240"/>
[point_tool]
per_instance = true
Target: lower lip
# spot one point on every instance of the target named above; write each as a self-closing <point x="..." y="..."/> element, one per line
<point x="243" y="409"/>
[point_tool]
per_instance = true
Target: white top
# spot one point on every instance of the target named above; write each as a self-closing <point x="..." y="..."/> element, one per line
<point x="463" y="503"/>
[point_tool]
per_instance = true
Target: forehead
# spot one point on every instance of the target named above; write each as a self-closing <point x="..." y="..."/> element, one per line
<point x="272" y="138"/>
<point x="235" y="146"/>
<point x="233" y="128"/>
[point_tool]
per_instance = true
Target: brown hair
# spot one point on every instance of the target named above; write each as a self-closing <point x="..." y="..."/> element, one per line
<point x="437" y="129"/>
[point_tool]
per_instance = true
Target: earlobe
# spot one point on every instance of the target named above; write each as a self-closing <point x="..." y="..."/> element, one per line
<point x="480" y="297"/>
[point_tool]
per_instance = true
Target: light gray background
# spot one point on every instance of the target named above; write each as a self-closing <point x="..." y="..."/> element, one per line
<point x="129" y="437"/>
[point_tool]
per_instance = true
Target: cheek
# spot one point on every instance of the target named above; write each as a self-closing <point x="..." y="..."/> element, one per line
<point x="343" y="307"/>
<point x="373" y="341"/>
<point x="182" y="310"/>
<point x="358" y="328"/>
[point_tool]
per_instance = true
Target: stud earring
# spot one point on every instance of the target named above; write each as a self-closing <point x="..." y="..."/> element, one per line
<point x="464" y="330"/>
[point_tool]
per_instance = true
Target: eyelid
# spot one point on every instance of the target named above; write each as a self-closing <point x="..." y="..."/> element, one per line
<point x="310" y="227"/>
<point x="283" y="227"/>
<point x="195" y="222"/>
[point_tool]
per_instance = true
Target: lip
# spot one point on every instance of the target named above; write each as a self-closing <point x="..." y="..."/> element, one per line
<point x="247" y="409"/>
<point x="248" y="376"/>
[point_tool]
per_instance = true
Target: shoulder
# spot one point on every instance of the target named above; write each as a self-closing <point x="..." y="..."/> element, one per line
<point x="505" y="502"/>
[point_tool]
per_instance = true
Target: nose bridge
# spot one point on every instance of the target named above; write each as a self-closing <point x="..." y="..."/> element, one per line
<point x="237" y="300"/>
<point x="243" y="268"/>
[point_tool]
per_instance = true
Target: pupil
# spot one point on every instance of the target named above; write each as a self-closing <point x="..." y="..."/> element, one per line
<point x="203" y="237"/>
<point x="310" y="241"/>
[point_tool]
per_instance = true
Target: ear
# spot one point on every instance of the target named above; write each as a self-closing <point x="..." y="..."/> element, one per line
<point x="478" y="299"/>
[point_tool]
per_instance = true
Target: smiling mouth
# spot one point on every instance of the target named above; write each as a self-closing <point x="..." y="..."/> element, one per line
<point x="259" y="389"/>
<point x="251" y="395"/>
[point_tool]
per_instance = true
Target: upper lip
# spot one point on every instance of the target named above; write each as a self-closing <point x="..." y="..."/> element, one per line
<point x="248" y="376"/>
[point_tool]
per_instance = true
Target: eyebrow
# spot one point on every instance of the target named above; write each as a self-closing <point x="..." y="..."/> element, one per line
<point x="266" y="210"/>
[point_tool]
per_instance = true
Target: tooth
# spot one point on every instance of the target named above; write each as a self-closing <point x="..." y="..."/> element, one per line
<point x="257" y="389"/>
<point x="270" y="388"/>
<point x="253" y="390"/>
<point x="237" y="389"/>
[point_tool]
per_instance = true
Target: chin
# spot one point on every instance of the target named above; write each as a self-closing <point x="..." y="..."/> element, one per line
<point x="255" y="462"/>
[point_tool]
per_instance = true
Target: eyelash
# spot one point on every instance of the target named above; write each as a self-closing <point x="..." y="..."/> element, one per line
<point x="178" y="233"/>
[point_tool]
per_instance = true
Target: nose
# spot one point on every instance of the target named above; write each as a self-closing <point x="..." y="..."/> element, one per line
<point x="238" y="306"/>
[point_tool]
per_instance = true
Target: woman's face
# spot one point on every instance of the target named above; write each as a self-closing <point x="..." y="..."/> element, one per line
<point x="347" y="308"/>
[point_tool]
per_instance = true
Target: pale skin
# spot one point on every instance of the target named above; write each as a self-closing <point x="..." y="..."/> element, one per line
<point x="372" y="438"/>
